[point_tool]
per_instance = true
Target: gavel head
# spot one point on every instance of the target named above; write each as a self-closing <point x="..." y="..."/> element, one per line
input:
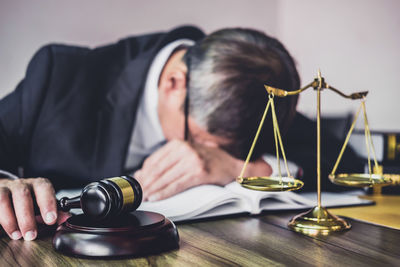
<point x="110" y="197"/>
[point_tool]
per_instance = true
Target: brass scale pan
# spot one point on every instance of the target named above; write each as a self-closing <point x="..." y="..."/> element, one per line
<point x="265" y="183"/>
<point x="364" y="179"/>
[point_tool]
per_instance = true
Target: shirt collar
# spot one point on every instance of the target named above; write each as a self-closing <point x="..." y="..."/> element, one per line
<point x="147" y="133"/>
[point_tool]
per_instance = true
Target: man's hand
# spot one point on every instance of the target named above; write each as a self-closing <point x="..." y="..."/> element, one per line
<point x="16" y="206"/>
<point x="179" y="165"/>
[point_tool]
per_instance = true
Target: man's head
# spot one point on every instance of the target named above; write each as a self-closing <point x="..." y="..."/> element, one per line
<point x="224" y="76"/>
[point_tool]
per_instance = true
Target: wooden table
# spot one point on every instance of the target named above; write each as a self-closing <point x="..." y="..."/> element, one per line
<point x="244" y="240"/>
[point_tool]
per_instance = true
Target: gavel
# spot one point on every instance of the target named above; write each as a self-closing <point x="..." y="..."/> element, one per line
<point x="106" y="198"/>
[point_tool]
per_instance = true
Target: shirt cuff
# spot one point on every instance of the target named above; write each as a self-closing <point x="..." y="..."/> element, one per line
<point x="294" y="169"/>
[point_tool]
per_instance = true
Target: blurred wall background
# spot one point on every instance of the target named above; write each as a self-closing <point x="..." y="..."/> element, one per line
<point x="354" y="43"/>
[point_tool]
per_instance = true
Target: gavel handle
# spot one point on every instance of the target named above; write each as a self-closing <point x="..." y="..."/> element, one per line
<point x="64" y="204"/>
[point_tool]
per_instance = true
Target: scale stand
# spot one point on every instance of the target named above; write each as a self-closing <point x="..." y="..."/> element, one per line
<point x="318" y="220"/>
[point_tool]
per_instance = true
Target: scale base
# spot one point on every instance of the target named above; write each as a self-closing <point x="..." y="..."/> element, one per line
<point x="139" y="233"/>
<point x="318" y="221"/>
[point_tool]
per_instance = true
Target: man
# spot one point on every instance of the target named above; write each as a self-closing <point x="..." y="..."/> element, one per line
<point x="175" y="109"/>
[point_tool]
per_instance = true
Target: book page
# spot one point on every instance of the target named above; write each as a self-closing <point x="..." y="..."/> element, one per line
<point x="262" y="200"/>
<point x="198" y="201"/>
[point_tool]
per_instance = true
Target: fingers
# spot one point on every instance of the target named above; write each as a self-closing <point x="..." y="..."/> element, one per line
<point x="188" y="172"/>
<point x="157" y="163"/>
<point x="45" y="198"/>
<point x="153" y="172"/>
<point x="258" y="168"/>
<point x="62" y="217"/>
<point x="23" y="208"/>
<point x="176" y="163"/>
<point x="7" y="218"/>
<point x="17" y="216"/>
<point x="179" y="165"/>
<point x="177" y="186"/>
<point x="191" y="165"/>
<point x="162" y="152"/>
<point x="167" y="178"/>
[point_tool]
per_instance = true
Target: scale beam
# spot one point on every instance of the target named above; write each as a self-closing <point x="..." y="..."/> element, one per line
<point x="314" y="84"/>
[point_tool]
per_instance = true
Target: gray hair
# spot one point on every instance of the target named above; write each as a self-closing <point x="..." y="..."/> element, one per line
<point x="226" y="74"/>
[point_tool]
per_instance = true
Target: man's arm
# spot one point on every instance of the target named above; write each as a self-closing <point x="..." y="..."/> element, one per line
<point x="10" y="134"/>
<point x="18" y="114"/>
<point x="179" y="165"/>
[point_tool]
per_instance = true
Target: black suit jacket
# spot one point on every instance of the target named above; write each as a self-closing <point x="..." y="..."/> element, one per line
<point x="71" y="118"/>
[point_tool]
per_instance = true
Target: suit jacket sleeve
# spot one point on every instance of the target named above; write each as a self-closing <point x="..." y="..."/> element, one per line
<point x="19" y="110"/>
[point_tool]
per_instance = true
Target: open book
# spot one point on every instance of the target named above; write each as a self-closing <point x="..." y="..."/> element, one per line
<point x="210" y="200"/>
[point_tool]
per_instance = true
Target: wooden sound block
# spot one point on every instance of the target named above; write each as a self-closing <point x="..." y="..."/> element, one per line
<point x="139" y="233"/>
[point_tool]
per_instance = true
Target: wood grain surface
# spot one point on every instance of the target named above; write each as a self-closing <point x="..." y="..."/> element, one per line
<point x="242" y="241"/>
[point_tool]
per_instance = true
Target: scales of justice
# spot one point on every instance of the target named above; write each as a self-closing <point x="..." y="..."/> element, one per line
<point x="318" y="220"/>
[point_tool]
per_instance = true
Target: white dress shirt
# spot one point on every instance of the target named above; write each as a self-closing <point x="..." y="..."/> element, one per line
<point x="147" y="135"/>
